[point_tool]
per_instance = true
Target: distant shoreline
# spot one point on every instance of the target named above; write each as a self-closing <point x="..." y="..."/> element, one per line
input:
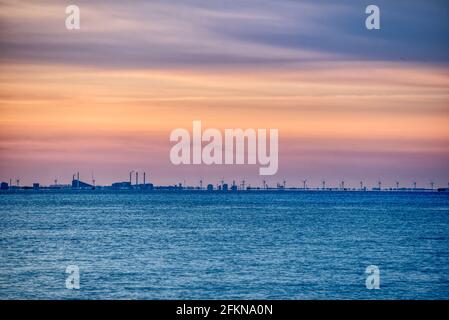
<point x="217" y="191"/>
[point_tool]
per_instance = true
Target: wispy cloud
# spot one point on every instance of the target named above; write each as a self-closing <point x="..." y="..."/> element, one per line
<point x="207" y="33"/>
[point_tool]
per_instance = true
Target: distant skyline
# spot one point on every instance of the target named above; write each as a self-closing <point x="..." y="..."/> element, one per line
<point x="349" y="103"/>
<point x="241" y="184"/>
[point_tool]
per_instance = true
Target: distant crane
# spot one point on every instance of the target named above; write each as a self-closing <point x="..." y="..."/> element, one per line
<point x="379" y="183"/>
<point x="284" y="183"/>
<point x="397" y="185"/>
<point x="201" y="184"/>
<point x="323" y="183"/>
<point x="431" y="185"/>
<point x="414" y="185"/>
<point x="343" y="185"/>
<point x="304" y="184"/>
<point x="361" y="185"/>
<point x="264" y="184"/>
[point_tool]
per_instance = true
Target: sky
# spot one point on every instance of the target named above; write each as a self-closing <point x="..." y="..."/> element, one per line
<point x="349" y="103"/>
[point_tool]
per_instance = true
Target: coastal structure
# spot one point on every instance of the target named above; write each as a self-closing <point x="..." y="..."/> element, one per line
<point x="222" y="186"/>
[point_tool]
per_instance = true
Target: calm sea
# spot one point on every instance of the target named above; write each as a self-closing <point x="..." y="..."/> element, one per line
<point x="266" y="245"/>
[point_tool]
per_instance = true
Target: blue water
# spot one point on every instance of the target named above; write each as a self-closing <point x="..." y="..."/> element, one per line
<point x="279" y="245"/>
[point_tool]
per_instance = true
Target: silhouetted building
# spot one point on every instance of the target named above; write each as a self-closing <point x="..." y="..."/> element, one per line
<point x="225" y="187"/>
<point x="146" y="186"/>
<point x="121" y="185"/>
<point x="36" y="186"/>
<point x="60" y="186"/>
<point x="4" y="186"/>
<point x="210" y="187"/>
<point x="77" y="184"/>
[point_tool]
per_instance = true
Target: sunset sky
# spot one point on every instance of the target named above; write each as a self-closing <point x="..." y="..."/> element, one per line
<point x="349" y="103"/>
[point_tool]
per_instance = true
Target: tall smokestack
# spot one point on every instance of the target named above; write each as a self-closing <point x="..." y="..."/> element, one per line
<point x="144" y="178"/>
<point x="78" y="179"/>
<point x="137" y="178"/>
